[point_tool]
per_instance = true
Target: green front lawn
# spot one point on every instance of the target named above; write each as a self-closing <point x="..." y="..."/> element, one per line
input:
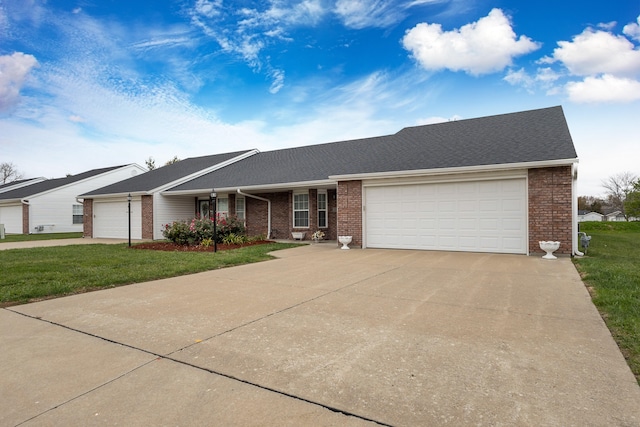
<point x="39" y="273"/>
<point x="44" y="236"/>
<point x="611" y="270"/>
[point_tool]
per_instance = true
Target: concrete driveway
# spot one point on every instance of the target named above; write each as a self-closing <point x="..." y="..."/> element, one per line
<point x="323" y="337"/>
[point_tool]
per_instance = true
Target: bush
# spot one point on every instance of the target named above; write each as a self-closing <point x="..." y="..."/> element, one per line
<point x="200" y="230"/>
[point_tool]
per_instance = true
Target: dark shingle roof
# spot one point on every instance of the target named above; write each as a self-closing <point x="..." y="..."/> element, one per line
<point x="50" y="184"/>
<point x="19" y="182"/>
<point x="523" y="137"/>
<point x="165" y="174"/>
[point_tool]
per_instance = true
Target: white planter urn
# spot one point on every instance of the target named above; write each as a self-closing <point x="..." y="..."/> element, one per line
<point x="298" y="235"/>
<point x="549" y="247"/>
<point x="345" y="240"/>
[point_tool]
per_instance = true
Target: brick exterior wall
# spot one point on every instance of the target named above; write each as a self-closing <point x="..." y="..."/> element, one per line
<point x="87" y="218"/>
<point x="550" y="215"/>
<point x="25" y="219"/>
<point x="147" y="217"/>
<point x="350" y="211"/>
<point x="282" y="215"/>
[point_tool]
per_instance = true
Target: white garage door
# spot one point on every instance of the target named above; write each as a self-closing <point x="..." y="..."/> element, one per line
<point x="11" y="217"/>
<point x="111" y="220"/>
<point x="478" y="216"/>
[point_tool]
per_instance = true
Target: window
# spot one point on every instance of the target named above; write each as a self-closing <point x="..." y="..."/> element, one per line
<point x="300" y="210"/>
<point x="77" y="214"/>
<point x="240" y="210"/>
<point x="322" y="209"/>
<point x="223" y="207"/>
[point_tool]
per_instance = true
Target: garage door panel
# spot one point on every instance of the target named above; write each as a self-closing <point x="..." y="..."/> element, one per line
<point x="485" y="216"/>
<point x="111" y="220"/>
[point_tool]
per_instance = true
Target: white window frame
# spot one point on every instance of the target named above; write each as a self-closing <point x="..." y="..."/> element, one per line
<point x="241" y="214"/>
<point x="325" y="209"/>
<point x="222" y="213"/>
<point x="297" y="209"/>
<point x="75" y="213"/>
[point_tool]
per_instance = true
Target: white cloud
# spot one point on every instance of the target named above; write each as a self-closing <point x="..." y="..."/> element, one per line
<point x="482" y="47"/>
<point x="361" y="14"/>
<point x="14" y="69"/>
<point x="594" y="52"/>
<point x="208" y="8"/>
<point x="278" y="81"/>
<point x="633" y="30"/>
<point x="606" y="88"/>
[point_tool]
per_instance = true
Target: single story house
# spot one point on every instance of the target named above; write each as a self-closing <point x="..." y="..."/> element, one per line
<point x="50" y="205"/>
<point x="492" y="184"/>
<point x="589" y="216"/>
<point x="106" y="209"/>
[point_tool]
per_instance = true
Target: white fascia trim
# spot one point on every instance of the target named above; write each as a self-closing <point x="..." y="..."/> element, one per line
<point x="257" y="188"/>
<point x="116" y="195"/>
<point x="204" y="171"/>
<point x="456" y="170"/>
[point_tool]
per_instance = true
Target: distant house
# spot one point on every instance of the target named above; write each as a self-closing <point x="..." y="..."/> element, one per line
<point x="617" y="216"/>
<point x="17" y="184"/>
<point x="589" y="216"/>
<point x="107" y="207"/>
<point x="50" y="205"/>
<point x="492" y="184"/>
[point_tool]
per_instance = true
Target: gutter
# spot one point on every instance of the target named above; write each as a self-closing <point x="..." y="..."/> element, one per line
<point x="453" y="170"/>
<point x="268" y="209"/>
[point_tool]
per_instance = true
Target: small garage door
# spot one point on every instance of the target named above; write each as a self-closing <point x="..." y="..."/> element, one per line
<point x="478" y="216"/>
<point x="111" y="220"/>
<point x="11" y="217"/>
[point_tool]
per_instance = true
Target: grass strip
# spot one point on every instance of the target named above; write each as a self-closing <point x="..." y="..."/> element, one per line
<point x="40" y="273"/>
<point x="611" y="270"/>
<point x="10" y="238"/>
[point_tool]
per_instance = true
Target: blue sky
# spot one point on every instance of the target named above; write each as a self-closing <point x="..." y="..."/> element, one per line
<point x="94" y="83"/>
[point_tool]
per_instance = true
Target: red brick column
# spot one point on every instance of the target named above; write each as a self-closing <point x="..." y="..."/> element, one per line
<point x="147" y="217"/>
<point x="25" y="219"/>
<point x="87" y="218"/>
<point x="350" y="210"/>
<point x="550" y="215"/>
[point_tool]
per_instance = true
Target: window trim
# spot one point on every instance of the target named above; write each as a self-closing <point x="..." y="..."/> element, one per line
<point x="325" y="210"/>
<point x="244" y="208"/>
<point x="300" y="193"/>
<point x="75" y="216"/>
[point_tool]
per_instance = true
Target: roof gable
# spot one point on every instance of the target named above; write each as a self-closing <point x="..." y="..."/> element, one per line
<point x="166" y="174"/>
<point x="52" y="184"/>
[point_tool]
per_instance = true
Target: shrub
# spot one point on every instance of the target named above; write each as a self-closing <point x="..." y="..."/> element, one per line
<point x="200" y="230"/>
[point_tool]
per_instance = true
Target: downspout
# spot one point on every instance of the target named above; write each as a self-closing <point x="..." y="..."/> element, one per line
<point x="268" y="209"/>
<point x="574" y="210"/>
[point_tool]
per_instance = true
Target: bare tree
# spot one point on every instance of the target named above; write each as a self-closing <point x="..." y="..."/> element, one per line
<point x="172" y="161"/>
<point x="618" y="186"/>
<point x="9" y="172"/>
<point x="151" y="163"/>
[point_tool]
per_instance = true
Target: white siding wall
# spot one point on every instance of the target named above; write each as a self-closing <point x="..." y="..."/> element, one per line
<point x="54" y="209"/>
<point x="169" y="209"/>
<point x="11" y="217"/>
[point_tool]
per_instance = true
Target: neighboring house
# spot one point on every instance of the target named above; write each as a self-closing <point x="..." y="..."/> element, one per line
<point x="617" y="216"/>
<point x="50" y="206"/>
<point x="589" y="216"/>
<point x="17" y="184"/>
<point x="493" y="184"/>
<point x="107" y="209"/>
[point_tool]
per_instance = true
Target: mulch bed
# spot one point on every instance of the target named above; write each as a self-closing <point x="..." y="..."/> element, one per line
<point x="172" y="247"/>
